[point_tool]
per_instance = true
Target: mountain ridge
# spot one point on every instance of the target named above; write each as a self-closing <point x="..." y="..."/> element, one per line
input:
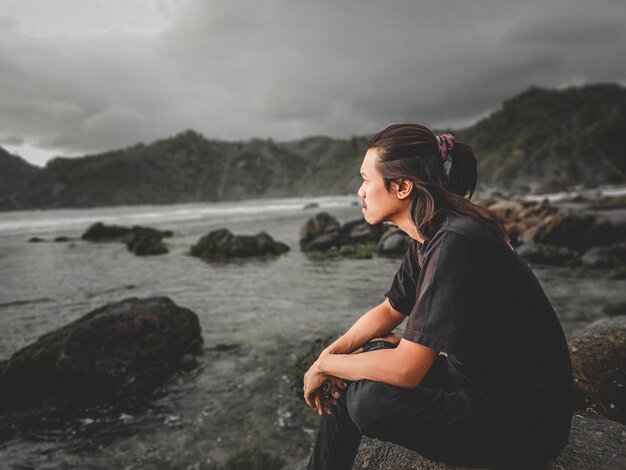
<point x="539" y="139"/>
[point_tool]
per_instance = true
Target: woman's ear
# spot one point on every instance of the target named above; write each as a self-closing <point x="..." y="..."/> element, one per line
<point x="404" y="188"/>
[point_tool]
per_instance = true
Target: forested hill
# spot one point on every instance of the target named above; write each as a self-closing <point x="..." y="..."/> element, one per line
<point x="539" y="139"/>
<point x="554" y="138"/>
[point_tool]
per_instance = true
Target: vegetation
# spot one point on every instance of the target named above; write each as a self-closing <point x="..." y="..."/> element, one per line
<point x="539" y="140"/>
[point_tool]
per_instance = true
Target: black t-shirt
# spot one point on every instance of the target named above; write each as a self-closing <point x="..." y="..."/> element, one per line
<point x="468" y="294"/>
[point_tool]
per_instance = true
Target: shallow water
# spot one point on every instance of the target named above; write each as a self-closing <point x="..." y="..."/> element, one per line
<point x="269" y="309"/>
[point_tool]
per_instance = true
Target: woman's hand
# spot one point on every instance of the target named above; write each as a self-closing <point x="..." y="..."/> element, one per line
<point x="313" y="381"/>
<point x="321" y="390"/>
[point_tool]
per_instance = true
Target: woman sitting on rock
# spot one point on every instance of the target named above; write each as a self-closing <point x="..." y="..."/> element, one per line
<point x="481" y="376"/>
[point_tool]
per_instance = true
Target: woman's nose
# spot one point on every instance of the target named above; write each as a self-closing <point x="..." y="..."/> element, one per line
<point x="361" y="192"/>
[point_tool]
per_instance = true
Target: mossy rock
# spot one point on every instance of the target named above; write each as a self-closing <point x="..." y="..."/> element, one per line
<point x="119" y="352"/>
<point x="222" y="244"/>
<point x="142" y="243"/>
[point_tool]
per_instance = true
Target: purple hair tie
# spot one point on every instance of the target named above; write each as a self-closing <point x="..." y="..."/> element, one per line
<point x="446" y="144"/>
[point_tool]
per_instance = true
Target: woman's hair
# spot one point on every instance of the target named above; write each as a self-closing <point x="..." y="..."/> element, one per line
<point x="411" y="152"/>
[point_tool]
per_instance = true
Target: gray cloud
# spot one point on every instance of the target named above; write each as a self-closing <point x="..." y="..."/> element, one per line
<point x="235" y="69"/>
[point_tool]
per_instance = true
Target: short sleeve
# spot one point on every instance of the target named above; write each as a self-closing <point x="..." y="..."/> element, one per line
<point x="403" y="288"/>
<point x="452" y="286"/>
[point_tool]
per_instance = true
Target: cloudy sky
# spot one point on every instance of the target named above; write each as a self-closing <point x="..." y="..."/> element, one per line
<point x="85" y="76"/>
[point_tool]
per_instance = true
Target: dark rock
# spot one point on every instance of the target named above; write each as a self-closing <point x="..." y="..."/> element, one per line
<point x="394" y="242"/>
<point x="598" y="363"/>
<point x="222" y="244"/>
<point x="540" y="223"/>
<point x="311" y="205"/>
<point x="142" y="242"/>
<point x="605" y="256"/>
<point x="615" y="310"/>
<point x="116" y="353"/>
<point x="320" y="232"/>
<point x="547" y="254"/>
<point x="362" y="251"/>
<point x="62" y="239"/>
<point x="595" y="443"/>
<point x="100" y="232"/>
<point x="35" y="240"/>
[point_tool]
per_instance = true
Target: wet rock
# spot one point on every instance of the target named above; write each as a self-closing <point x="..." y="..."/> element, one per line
<point x="114" y="354"/>
<point x="142" y="242"/>
<point x="362" y="251"/>
<point x="605" y="256"/>
<point x="540" y="223"/>
<point x="394" y="242"/>
<point x="320" y="232"/>
<point x="615" y="310"/>
<point x="598" y="360"/>
<point x="35" y="240"/>
<point x="311" y="205"/>
<point x="62" y="239"/>
<point x="547" y="254"/>
<point x="100" y="232"/>
<point x="222" y="244"/>
<point x="595" y="443"/>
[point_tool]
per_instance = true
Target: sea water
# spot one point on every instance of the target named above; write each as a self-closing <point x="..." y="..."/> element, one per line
<point x="268" y="311"/>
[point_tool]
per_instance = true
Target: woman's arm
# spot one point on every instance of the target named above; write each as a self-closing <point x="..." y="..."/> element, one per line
<point x="377" y="322"/>
<point x="404" y="366"/>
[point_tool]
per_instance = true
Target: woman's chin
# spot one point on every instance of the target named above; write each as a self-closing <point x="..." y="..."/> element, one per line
<point x="368" y="217"/>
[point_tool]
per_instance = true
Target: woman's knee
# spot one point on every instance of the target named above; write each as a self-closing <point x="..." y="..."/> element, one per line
<point x="371" y="406"/>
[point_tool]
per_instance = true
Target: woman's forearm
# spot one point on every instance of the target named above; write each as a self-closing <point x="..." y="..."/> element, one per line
<point x="378" y="366"/>
<point x="380" y="320"/>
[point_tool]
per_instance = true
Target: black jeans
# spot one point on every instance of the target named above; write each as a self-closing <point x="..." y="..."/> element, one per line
<point x="439" y="420"/>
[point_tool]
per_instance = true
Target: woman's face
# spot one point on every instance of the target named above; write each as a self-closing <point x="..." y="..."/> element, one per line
<point x="379" y="205"/>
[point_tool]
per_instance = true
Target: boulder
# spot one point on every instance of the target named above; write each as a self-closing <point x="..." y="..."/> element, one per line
<point x="615" y="309"/>
<point x="141" y="241"/>
<point x="595" y="443"/>
<point x="394" y="242"/>
<point x="100" y="232"/>
<point x="116" y="354"/>
<point x="538" y="222"/>
<point x="222" y="244"/>
<point x="598" y="363"/>
<point x="575" y="231"/>
<point x="320" y="232"/>
<point x="605" y="256"/>
<point x="547" y="254"/>
<point x="36" y="240"/>
<point x="62" y="239"/>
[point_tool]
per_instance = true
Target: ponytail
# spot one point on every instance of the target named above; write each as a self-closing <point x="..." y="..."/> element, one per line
<point x="463" y="173"/>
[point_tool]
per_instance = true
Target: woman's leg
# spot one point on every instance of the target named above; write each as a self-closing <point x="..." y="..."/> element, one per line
<point x="338" y="437"/>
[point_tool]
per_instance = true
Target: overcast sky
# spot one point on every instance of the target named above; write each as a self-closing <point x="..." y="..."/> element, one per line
<point x="85" y="76"/>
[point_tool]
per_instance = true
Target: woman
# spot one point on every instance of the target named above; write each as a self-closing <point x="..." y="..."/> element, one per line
<point x="481" y="376"/>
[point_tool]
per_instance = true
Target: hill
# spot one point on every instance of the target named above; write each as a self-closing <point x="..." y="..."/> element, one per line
<point x="551" y="139"/>
<point x="539" y="140"/>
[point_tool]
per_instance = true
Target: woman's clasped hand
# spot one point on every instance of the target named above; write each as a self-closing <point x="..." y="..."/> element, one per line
<point x="321" y="391"/>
